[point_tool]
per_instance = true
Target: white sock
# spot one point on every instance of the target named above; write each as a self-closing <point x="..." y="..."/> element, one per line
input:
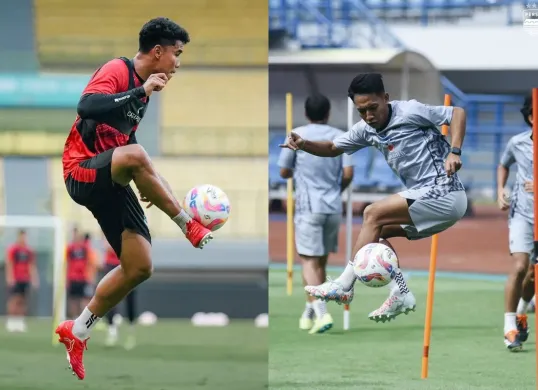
<point x="522" y="306"/>
<point x="509" y="322"/>
<point x="113" y="330"/>
<point x="398" y="284"/>
<point x="181" y="220"/>
<point x="84" y="324"/>
<point x="308" y="311"/>
<point x="320" y="308"/>
<point x="347" y="279"/>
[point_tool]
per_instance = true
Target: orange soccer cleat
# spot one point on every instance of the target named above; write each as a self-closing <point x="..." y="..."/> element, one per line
<point x="74" y="347"/>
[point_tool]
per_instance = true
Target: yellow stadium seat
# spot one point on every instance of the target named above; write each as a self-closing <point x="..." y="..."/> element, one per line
<point x="31" y="143"/>
<point x="2" y="189"/>
<point x="216" y="113"/>
<point x="225" y="32"/>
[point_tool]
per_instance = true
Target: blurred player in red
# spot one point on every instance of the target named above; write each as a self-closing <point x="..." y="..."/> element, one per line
<point x="81" y="273"/>
<point x="111" y="261"/>
<point x="102" y="157"/>
<point x="21" y="273"/>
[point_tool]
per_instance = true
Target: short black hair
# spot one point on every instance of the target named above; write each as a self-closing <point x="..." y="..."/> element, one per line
<point x="366" y="83"/>
<point x="87" y="236"/>
<point x="317" y="107"/>
<point x="22" y="232"/>
<point x="161" y="31"/>
<point x="526" y="110"/>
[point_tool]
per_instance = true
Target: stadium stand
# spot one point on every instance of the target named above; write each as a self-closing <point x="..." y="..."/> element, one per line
<point x="62" y="43"/>
<point x="215" y="112"/>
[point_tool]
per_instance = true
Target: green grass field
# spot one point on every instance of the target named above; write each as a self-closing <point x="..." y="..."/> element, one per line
<point x="171" y="355"/>
<point x="467" y="350"/>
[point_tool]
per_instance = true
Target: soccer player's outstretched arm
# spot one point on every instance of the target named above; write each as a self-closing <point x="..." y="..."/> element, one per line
<point x="503" y="171"/>
<point x="349" y="142"/>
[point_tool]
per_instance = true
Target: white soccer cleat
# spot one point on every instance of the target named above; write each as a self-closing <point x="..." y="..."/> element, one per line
<point x="395" y="305"/>
<point x="331" y="290"/>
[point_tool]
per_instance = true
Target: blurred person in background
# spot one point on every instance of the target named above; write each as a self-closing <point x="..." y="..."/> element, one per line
<point x="519" y="289"/>
<point x="81" y="273"/>
<point x="111" y="261"/>
<point x="21" y="273"/>
<point x="319" y="183"/>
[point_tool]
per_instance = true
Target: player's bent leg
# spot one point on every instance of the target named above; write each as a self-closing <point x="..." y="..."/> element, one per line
<point x="391" y="211"/>
<point x="397" y="303"/>
<point x="135" y="267"/>
<point x="131" y="162"/>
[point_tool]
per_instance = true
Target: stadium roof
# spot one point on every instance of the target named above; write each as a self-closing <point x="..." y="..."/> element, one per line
<point x="383" y="59"/>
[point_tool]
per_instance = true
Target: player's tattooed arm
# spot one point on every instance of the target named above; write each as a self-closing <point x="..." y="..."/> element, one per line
<point x="94" y="105"/>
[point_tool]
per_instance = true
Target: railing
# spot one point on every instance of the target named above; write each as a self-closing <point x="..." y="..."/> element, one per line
<point x="330" y="23"/>
<point x="286" y="13"/>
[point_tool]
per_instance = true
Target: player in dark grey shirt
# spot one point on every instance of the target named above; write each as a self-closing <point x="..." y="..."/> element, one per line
<point x="407" y="134"/>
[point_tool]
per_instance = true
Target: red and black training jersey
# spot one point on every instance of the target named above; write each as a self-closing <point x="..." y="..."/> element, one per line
<point x="111" y="258"/>
<point x="21" y="258"/>
<point x="78" y="257"/>
<point x="109" y="111"/>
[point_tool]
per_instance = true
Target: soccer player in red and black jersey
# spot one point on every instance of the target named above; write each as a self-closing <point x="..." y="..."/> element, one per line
<point x="102" y="157"/>
<point x="21" y="273"/>
<point x="81" y="273"/>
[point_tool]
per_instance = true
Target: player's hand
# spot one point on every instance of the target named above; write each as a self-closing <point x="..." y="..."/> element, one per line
<point x="503" y="200"/>
<point x="35" y="284"/>
<point x="10" y="283"/>
<point x="155" y="82"/>
<point x="145" y="200"/>
<point x="293" y="142"/>
<point x="529" y="186"/>
<point x="452" y="164"/>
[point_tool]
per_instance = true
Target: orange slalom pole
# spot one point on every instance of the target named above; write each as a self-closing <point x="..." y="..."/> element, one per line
<point x="535" y="180"/>
<point x="431" y="286"/>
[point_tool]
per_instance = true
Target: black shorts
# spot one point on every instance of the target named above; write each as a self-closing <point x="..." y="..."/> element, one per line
<point x="116" y="208"/>
<point x="80" y="290"/>
<point x="19" y="288"/>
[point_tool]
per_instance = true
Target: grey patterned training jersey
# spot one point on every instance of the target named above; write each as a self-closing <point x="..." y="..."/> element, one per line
<point x="317" y="179"/>
<point x="519" y="150"/>
<point x="412" y="144"/>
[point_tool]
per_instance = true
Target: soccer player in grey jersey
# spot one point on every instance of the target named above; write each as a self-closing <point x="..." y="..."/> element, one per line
<point x="519" y="288"/>
<point x="319" y="183"/>
<point x="406" y="133"/>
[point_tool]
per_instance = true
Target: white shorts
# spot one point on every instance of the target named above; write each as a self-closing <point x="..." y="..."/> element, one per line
<point x="433" y="210"/>
<point x="317" y="234"/>
<point x="520" y="234"/>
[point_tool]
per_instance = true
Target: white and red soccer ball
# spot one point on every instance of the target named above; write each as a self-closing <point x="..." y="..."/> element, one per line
<point x="209" y="205"/>
<point x="375" y="265"/>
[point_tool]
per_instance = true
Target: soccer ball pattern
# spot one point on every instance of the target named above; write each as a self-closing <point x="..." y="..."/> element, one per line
<point x="209" y="205"/>
<point x="375" y="265"/>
